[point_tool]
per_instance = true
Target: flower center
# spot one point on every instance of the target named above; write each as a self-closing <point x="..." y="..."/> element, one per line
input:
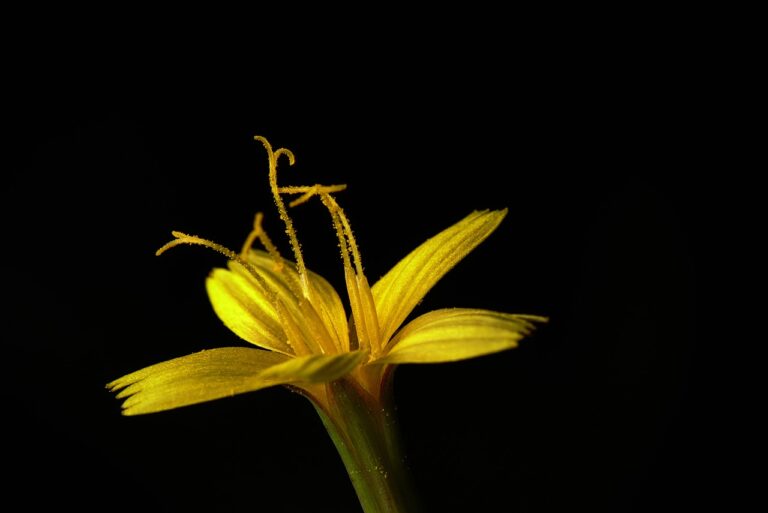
<point x="306" y="332"/>
<point x="364" y="315"/>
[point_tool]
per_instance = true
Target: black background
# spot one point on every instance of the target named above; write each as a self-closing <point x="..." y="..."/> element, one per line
<point x="596" y="148"/>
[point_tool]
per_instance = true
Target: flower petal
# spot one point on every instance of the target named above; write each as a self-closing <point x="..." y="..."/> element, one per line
<point x="245" y="309"/>
<point x="196" y="378"/>
<point x="398" y="292"/>
<point x="247" y="306"/>
<point x="315" y="368"/>
<point x="457" y="334"/>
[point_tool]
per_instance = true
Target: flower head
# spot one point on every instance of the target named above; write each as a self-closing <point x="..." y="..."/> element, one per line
<point x="303" y="337"/>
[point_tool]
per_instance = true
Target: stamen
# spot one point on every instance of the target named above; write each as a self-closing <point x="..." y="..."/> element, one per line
<point x="273" y="155"/>
<point x="259" y="233"/>
<point x="183" y="238"/>
<point x="348" y="232"/>
<point x="353" y="292"/>
<point x="248" y="244"/>
<point x="360" y="297"/>
<point x="332" y="207"/>
<point x="370" y="316"/>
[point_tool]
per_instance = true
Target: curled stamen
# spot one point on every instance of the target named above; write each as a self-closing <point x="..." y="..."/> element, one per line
<point x="273" y="155"/>
<point x="282" y="151"/>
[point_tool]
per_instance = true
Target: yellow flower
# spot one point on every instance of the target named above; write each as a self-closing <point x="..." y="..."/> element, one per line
<point x="306" y="341"/>
<point x="295" y="318"/>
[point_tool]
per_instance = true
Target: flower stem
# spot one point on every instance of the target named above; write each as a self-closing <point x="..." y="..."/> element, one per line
<point x="365" y="434"/>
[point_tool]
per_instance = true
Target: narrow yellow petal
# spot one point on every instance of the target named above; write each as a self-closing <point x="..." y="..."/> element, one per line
<point x="457" y="334"/>
<point x="196" y="378"/>
<point x="315" y="368"/>
<point x="399" y="291"/>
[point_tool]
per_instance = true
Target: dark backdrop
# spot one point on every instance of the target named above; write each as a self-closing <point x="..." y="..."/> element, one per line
<point x="595" y="150"/>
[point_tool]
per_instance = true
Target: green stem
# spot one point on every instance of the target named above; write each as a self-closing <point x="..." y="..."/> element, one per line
<point x="364" y="432"/>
